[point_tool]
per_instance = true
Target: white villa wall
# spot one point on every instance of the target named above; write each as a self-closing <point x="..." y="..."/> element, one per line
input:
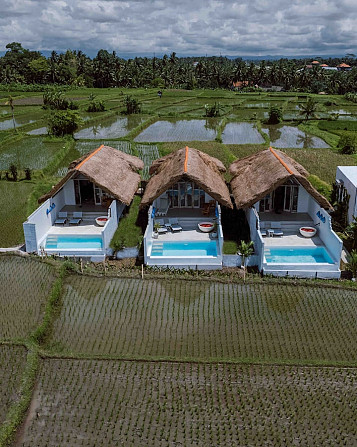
<point x="303" y="200"/>
<point x="68" y="190"/>
<point x="110" y="226"/>
<point x="254" y="225"/>
<point x="351" y="187"/>
<point x="38" y="224"/>
<point x="330" y="239"/>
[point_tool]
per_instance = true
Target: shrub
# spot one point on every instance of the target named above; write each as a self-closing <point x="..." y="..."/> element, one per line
<point x="275" y="115"/>
<point x="95" y="106"/>
<point x="132" y="105"/>
<point x="213" y="110"/>
<point x="13" y="170"/>
<point x="63" y="122"/>
<point x="347" y="144"/>
<point x="28" y="174"/>
<point x="54" y="98"/>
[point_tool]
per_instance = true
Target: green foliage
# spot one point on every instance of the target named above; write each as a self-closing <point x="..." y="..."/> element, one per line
<point x="322" y="187"/>
<point x="340" y="201"/>
<point x="53" y="98"/>
<point x="213" y="110"/>
<point x="13" y="171"/>
<point x="275" y="115"/>
<point x="339" y="125"/>
<point x="63" y="122"/>
<point x="128" y="233"/>
<point x="352" y="263"/>
<point x="347" y="144"/>
<point x="351" y="96"/>
<point x="350" y="235"/>
<point x="230" y="247"/>
<point x="132" y="105"/>
<point x="309" y="109"/>
<point x="95" y="106"/>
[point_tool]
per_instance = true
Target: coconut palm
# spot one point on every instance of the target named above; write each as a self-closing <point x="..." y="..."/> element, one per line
<point x="245" y="249"/>
<point x="352" y="263"/>
<point x="309" y="109"/>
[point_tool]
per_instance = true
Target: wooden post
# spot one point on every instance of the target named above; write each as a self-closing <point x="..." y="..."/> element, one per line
<point x="142" y="271"/>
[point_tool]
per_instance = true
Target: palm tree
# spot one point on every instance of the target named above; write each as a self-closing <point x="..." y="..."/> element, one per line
<point x="10" y="102"/>
<point x="245" y="249"/>
<point x="309" y="109"/>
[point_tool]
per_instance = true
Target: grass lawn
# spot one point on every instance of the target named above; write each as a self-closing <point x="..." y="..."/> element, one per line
<point x="13" y="211"/>
<point x="129" y="232"/>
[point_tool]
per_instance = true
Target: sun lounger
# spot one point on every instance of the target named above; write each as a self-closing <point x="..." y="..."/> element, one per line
<point x="77" y="218"/>
<point x="61" y="218"/>
<point x="276" y="227"/>
<point x="263" y="228"/>
<point x="163" y="207"/>
<point x="174" y="225"/>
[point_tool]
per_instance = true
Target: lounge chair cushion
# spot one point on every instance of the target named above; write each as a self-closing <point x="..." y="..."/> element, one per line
<point x="77" y="218"/>
<point x="61" y="218"/>
<point x="175" y="226"/>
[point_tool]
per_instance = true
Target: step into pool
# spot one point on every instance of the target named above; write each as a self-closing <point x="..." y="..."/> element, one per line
<point x="70" y="242"/>
<point x="186" y="249"/>
<point x="297" y="255"/>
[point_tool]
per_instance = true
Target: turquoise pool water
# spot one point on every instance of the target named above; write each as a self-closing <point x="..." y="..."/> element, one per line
<point x="187" y="249"/>
<point x="69" y="242"/>
<point x="297" y="255"/>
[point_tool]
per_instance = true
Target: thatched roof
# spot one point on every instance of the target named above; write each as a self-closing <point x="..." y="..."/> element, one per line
<point x="257" y="175"/>
<point x="112" y="170"/>
<point x="191" y="165"/>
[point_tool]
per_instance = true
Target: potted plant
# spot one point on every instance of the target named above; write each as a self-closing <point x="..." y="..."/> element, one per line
<point x="155" y="234"/>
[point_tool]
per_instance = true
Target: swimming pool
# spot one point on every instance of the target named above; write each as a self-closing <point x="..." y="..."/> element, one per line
<point x="297" y="255"/>
<point x="70" y="242"/>
<point x="184" y="248"/>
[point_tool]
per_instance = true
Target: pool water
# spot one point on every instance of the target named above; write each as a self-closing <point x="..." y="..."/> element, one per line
<point x="70" y="242"/>
<point x="297" y="255"/>
<point x="184" y="248"/>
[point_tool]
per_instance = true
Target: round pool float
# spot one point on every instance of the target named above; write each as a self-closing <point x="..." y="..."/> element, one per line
<point x="206" y="227"/>
<point x="308" y="231"/>
<point x="101" y="220"/>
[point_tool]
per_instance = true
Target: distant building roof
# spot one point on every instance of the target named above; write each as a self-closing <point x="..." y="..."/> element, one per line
<point x="343" y="65"/>
<point x="315" y="62"/>
<point x="323" y="65"/>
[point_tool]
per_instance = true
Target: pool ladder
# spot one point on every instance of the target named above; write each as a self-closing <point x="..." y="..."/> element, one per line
<point x="157" y="248"/>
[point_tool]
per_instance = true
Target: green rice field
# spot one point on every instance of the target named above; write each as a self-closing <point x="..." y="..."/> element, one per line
<point x="211" y="362"/>
<point x="205" y="321"/>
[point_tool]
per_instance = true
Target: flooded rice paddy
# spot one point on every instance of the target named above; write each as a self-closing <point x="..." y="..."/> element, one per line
<point x="288" y="136"/>
<point x="241" y="133"/>
<point x="111" y="128"/>
<point x="181" y="130"/>
<point x="39" y="131"/>
<point x="8" y="124"/>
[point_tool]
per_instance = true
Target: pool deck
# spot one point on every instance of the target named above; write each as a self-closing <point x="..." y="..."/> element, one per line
<point x="75" y="229"/>
<point x="184" y="235"/>
<point x="292" y="239"/>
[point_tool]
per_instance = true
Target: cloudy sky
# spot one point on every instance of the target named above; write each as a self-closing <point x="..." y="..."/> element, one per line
<point x="188" y="27"/>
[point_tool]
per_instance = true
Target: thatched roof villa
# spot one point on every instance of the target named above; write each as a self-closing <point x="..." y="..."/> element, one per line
<point x="288" y="218"/>
<point x="259" y="174"/>
<point x="184" y="196"/>
<point x="80" y="214"/>
<point x="190" y="165"/>
<point x="115" y="172"/>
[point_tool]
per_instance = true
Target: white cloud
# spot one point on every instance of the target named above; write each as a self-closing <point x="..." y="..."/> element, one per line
<point x="185" y="26"/>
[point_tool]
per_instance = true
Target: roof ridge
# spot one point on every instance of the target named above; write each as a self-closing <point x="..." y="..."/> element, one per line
<point x="89" y="156"/>
<point x="186" y="159"/>
<point x="281" y="161"/>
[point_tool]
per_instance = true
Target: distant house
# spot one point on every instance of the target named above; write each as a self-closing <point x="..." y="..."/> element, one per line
<point x="279" y="201"/>
<point x="186" y="189"/>
<point x="80" y="214"/>
<point x="344" y="67"/>
<point x="238" y="85"/>
<point x="346" y="176"/>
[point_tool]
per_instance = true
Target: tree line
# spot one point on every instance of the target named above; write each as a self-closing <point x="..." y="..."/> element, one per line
<point x="106" y="69"/>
